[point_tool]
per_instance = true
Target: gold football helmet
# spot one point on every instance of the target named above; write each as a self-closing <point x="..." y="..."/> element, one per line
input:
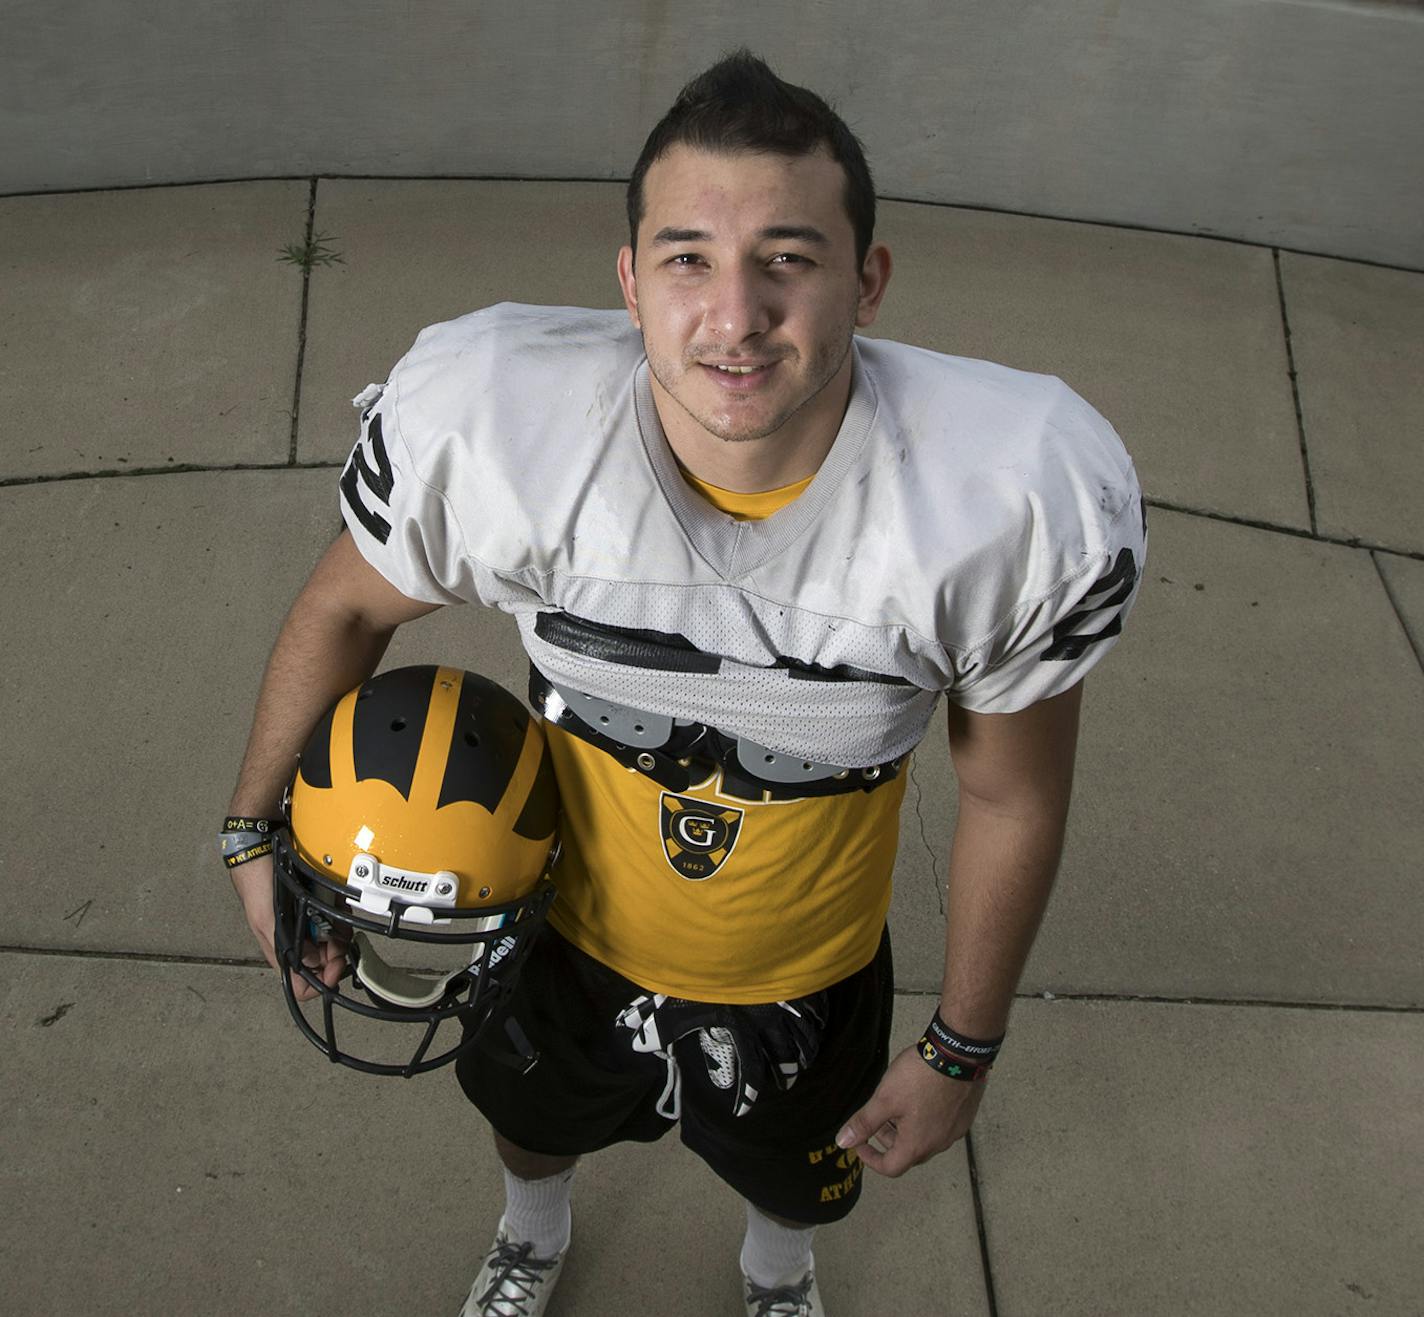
<point x="423" y="811"/>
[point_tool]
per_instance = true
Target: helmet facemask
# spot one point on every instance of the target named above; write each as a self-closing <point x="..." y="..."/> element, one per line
<point x="415" y="991"/>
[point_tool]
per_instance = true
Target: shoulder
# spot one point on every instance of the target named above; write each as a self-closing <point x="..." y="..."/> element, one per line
<point x="493" y="419"/>
<point x="511" y="353"/>
<point x="1021" y="514"/>
<point x="993" y="453"/>
<point x="986" y="415"/>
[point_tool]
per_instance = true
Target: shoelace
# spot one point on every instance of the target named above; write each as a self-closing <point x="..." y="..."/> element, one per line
<point x="783" y="1300"/>
<point x="516" y="1280"/>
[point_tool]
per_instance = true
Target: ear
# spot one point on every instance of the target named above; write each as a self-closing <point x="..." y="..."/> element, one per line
<point x="874" y="277"/>
<point x="628" y="282"/>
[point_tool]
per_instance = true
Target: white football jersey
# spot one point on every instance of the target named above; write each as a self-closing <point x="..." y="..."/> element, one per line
<point x="974" y="531"/>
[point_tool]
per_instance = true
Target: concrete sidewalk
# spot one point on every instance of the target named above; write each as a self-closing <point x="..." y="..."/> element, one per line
<point x="1210" y="1099"/>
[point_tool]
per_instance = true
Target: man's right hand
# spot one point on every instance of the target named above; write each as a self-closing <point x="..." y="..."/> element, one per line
<point x="253" y="882"/>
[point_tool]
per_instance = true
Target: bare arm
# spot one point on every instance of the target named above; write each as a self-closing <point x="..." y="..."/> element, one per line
<point x="333" y="638"/>
<point x="1015" y="776"/>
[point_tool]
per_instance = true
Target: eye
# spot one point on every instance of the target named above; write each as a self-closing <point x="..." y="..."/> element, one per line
<point x="684" y="260"/>
<point x="790" y="258"/>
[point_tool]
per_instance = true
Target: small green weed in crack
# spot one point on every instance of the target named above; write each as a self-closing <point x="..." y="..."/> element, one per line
<point x="316" y="250"/>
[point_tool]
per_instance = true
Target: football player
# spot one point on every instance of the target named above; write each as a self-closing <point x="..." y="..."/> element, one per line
<point x="748" y="551"/>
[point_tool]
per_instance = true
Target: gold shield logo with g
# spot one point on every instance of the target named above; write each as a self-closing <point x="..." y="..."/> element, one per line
<point x="697" y="836"/>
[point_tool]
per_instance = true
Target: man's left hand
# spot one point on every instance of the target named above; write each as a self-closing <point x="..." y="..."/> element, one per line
<point x="913" y="1115"/>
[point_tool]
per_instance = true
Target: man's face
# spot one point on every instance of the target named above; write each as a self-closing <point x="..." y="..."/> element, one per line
<point x="748" y="261"/>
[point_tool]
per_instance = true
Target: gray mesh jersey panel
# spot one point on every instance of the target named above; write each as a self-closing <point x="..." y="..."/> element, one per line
<point x="975" y="531"/>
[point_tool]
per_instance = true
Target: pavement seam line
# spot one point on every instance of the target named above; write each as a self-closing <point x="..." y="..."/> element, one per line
<point x="1295" y="393"/>
<point x="1276" y="528"/>
<point x="1414" y="643"/>
<point x="609" y="179"/>
<point x="252" y="962"/>
<point x="1159" y="999"/>
<point x="302" y="326"/>
<point x="981" y="1226"/>
<point x="1166" y="505"/>
<point x="172" y="469"/>
<point x="142" y="957"/>
<point x="925" y="838"/>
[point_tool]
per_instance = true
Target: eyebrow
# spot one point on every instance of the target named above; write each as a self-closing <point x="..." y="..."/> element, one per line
<point x="793" y="232"/>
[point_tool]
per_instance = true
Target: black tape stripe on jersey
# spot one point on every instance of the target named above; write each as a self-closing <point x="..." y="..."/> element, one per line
<point x="372" y="521"/>
<point x="632" y="648"/>
<point x="388" y="725"/>
<point x="801" y="671"/>
<point x="1068" y="643"/>
<point x="382" y="480"/>
<point x="485" y="743"/>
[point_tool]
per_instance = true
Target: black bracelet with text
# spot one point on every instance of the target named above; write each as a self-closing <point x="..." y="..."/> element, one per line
<point x="976" y="1049"/>
<point x="244" y="839"/>
<point x="950" y="1065"/>
<point x="956" y="1055"/>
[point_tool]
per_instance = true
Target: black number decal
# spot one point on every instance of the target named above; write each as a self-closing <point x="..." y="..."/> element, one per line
<point x="379" y="481"/>
<point x="1111" y="589"/>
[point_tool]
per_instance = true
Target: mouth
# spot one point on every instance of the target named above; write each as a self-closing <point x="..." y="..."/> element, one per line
<point x="738" y="376"/>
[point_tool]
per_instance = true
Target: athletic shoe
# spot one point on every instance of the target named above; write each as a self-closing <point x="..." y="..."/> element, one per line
<point x="512" y="1283"/>
<point x="799" y="1300"/>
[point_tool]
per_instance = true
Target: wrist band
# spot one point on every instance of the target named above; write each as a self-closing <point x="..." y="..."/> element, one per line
<point x="244" y="839"/>
<point x="247" y="823"/>
<point x="955" y="1067"/>
<point x="976" y="1049"/>
<point x="955" y="1055"/>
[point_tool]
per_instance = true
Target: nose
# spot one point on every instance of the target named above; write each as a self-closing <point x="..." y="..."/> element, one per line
<point x="739" y="303"/>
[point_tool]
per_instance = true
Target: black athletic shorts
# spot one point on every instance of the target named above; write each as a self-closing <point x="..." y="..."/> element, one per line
<point x="590" y="1089"/>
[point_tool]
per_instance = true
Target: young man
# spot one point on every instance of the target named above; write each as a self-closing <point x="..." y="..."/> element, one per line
<point x="747" y="553"/>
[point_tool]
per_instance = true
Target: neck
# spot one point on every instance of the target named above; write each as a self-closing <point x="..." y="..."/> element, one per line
<point x="790" y="453"/>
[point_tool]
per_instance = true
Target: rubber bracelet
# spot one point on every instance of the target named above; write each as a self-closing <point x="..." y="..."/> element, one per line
<point x="954" y="1067"/>
<point x="244" y="839"/>
<point x="238" y="823"/>
<point x="976" y="1049"/>
<point x="241" y="856"/>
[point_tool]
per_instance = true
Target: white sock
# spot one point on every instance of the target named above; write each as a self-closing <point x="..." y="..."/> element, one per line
<point x="774" y="1254"/>
<point x="537" y="1212"/>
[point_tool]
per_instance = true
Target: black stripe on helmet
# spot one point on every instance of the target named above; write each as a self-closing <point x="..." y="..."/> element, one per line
<point x="485" y="744"/>
<point x="390" y="720"/>
<point x="541" y="810"/>
<point x="315" y="761"/>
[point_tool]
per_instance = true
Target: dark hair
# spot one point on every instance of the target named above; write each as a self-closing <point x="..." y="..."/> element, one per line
<point x="739" y="104"/>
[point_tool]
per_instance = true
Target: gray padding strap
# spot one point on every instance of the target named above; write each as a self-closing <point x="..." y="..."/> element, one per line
<point x="652" y="731"/>
<point x="773" y="767"/>
<point x="647" y="731"/>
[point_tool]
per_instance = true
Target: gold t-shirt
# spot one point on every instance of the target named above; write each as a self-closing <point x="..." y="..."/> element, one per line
<point x="713" y="897"/>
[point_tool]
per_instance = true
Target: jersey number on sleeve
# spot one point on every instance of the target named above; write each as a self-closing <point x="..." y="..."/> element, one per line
<point x="378" y="481"/>
<point x="1114" y="587"/>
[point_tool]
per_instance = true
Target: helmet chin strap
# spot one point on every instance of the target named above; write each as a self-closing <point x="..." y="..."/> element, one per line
<point x="400" y="987"/>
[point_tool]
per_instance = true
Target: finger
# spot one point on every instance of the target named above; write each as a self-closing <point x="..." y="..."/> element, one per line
<point x="888" y="1152"/>
<point x="866" y="1124"/>
<point x="884" y="1138"/>
<point x="301" y="989"/>
<point x="311" y="959"/>
<point x="333" y="964"/>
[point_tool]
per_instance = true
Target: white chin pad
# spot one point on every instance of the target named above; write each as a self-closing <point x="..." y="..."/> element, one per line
<point x="399" y="986"/>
